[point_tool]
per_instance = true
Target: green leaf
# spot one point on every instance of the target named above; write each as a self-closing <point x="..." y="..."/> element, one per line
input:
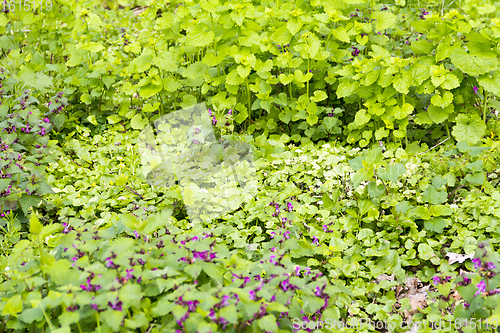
<point x="491" y="83"/>
<point x="346" y="88"/>
<point x="13" y="306"/>
<point x="422" y="47"/>
<point x="130" y="294"/>
<point x="362" y="117"/>
<point x="477" y="178"/>
<point x="113" y="318"/>
<point x="92" y="119"/>
<point x="425" y="251"/>
<point x="35" y="225"/>
<point x="434" y="197"/>
<point x="282" y="35"/>
<point x="474" y="63"/>
<point x="312" y="119"/>
<point x="166" y="61"/>
<point x="200" y="35"/>
<point x="67" y="318"/>
<point x="229" y="313"/>
<point x="34" y="80"/>
<point x="215" y="272"/>
<point x="436" y="224"/>
<point x="268" y="323"/>
<point x="438" y="115"/>
<point x="319" y="95"/>
<point x="469" y="128"/>
<point x="27" y="201"/>
<point x="440" y="210"/>
<point x="442" y="101"/>
<point x="150" y="90"/>
<point x="341" y="34"/>
<point x="30" y="315"/>
<point x="450" y="81"/>
<point x="384" y="20"/>
<point x="138" y="123"/>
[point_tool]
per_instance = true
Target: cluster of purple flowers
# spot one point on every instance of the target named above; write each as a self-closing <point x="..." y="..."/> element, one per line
<point x="207" y="256"/>
<point x="126" y="41"/>
<point x="355" y="52"/>
<point x="423" y="13"/>
<point x="5" y="214"/>
<point x="89" y="286"/>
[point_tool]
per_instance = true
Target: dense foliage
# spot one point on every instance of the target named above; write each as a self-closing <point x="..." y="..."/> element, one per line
<point x="374" y="138"/>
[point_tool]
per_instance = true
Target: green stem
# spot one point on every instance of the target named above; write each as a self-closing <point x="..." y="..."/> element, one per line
<point x="48" y="319"/>
<point x="98" y="325"/>
<point x="447" y="129"/>
<point x="248" y="100"/>
<point x="484" y="105"/>
<point x="307" y="80"/>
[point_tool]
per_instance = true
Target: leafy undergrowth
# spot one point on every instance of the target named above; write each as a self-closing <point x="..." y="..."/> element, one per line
<point x="374" y="130"/>
<point x="333" y="233"/>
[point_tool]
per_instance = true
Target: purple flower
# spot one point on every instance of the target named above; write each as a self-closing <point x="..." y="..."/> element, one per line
<point x="272" y="259"/>
<point x="315" y="240"/>
<point x="477" y="263"/>
<point x="481" y="288"/>
<point x="289" y="206"/>
<point x="325" y="228"/>
<point x="209" y="112"/>
<point x="196" y="142"/>
<point x="490" y="266"/>
<point x="214" y="121"/>
<point x="287" y="234"/>
<point x="436" y="280"/>
<point x="230" y="112"/>
<point x="251" y="294"/>
<point x="117" y="305"/>
<point x="136" y="234"/>
<point x="475" y="89"/>
<point x="297" y="271"/>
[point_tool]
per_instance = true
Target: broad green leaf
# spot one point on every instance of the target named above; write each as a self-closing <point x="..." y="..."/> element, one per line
<point x="312" y="119"/>
<point x="450" y="81"/>
<point x="425" y="251"/>
<point x="319" y="95"/>
<point x="138" y="123"/>
<point x="438" y="115"/>
<point x="362" y="117"/>
<point x="346" y="88"/>
<point x="13" y="306"/>
<point x="230" y="314"/>
<point x="341" y="34"/>
<point x="469" y="128"/>
<point x="34" y="80"/>
<point x="166" y="61"/>
<point x="434" y="197"/>
<point x="35" y="225"/>
<point x="440" y="210"/>
<point x="30" y="315"/>
<point x="491" y="83"/>
<point x="474" y="63"/>
<point x="383" y="20"/>
<point x="28" y="201"/>
<point x="199" y="35"/>
<point x="442" y="101"/>
<point x="436" y="224"/>
<point x="282" y="35"/>
<point x="268" y="323"/>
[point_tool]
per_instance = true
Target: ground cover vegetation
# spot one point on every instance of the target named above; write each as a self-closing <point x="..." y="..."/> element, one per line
<point x="376" y="144"/>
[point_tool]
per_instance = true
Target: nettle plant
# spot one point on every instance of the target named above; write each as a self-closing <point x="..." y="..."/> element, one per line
<point x="470" y="300"/>
<point x="157" y="278"/>
<point x="25" y="146"/>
